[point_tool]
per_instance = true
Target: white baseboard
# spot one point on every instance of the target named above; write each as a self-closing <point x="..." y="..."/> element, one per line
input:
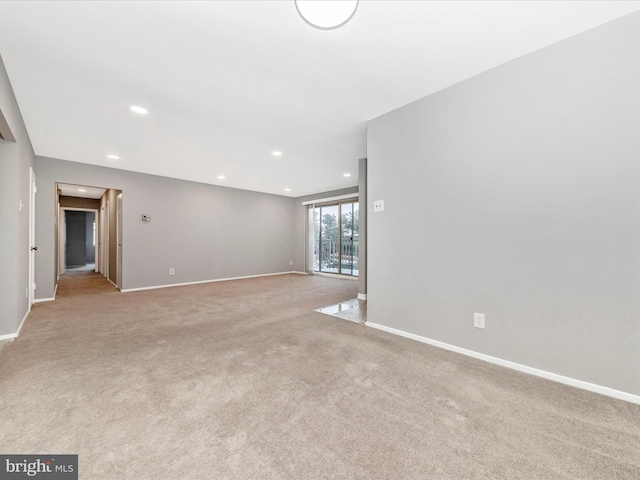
<point x="362" y="296"/>
<point x="50" y="299"/>
<point x="610" y="392"/>
<point x="335" y="275"/>
<point x="10" y="336"/>
<point x="127" y="290"/>
<point x="41" y="300"/>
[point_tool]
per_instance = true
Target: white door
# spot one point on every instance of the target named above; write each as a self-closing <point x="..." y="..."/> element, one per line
<point x="105" y="239"/>
<point x="119" y="241"/>
<point x="32" y="236"/>
<point x="62" y="241"/>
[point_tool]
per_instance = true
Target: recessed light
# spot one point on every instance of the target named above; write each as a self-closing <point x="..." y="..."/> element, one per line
<point x="221" y="177"/>
<point x="113" y="157"/>
<point x="81" y="190"/>
<point x="138" y="109"/>
<point x="287" y="189"/>
<point x="326" y="15"/>
<point x="346" y="175"/>
<point x="277" y="153"/>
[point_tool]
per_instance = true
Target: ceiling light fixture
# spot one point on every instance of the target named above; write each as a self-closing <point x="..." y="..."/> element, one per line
<point x="138" y="109"/>
<point x="113" y="157"/>
<point x="82" y="190"/>
<point x="287" y="189"/>
<point x="325" y="15"/>
<point x="346" y="175"/>
<point x="276" y="153"/>
<point x="221" y="177"/>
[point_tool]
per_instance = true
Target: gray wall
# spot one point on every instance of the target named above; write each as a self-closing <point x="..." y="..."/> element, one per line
<point x="362" y="253"/>
<point x="517" y="194"/>
<point x="15" y="160"/>
<point x="203" y="231"/>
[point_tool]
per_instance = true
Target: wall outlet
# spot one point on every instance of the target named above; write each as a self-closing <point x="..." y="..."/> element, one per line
<point x="290" y="262"/>
<point x="378" y="206"/>
<point x="478" y="320"/>
<point x="172" y="271"/>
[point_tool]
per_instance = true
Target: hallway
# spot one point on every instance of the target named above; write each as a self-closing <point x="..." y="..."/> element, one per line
<point x="83" y="281"/>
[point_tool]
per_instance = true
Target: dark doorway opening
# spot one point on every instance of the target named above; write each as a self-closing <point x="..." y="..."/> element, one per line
<point x="80" y="245"/>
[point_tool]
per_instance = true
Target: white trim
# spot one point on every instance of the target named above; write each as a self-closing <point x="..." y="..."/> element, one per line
<point x="362" y="296"/>
<point x="335" y="275"/>
<point x="127" y="290"/>
<point x="610" y="392"/>
<point x="79" y="209"/>
<point x="41" y="300"/>
<point x="9" y="336"/>
<point x="62" y="226"/>
<point x="31" y="294"/>
<point x="331" y="199"/>
<point x="24" y="319"/>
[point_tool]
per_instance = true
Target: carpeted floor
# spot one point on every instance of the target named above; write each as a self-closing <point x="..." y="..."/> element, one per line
<point x="243" y="380"/>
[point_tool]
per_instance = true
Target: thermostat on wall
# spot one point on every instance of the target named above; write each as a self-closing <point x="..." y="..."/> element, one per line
<point x="146" y="218"/>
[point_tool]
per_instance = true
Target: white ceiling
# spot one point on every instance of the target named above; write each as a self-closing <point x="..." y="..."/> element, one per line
<point x="228" y="82"/>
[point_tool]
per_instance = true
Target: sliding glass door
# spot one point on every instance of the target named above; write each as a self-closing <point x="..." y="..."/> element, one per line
<point x="336" y="238"/>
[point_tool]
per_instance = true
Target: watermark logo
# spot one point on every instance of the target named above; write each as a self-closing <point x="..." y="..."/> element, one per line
<point x="46" y="467"/>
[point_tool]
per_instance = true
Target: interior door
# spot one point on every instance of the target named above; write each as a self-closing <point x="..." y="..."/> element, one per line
<point x="104" y="236"/>
<point x="62" y="241"/>
<point x="32" y="236"/>
<point x="119" y="240"/>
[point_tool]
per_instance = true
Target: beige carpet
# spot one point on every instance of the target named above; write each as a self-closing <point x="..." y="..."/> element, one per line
<point x="243" y="380"/>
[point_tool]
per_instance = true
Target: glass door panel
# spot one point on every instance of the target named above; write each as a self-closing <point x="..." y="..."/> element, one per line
<point x="335" y="243"/>
<point x="329" y="239"/>
<point x="346" y="238"/>
<point x="354" y="244"/>
<point x="316" y="239"/>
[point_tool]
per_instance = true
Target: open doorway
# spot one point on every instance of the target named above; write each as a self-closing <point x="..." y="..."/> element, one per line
<point x="87" y="235"/>
<point x="80" y="233"/>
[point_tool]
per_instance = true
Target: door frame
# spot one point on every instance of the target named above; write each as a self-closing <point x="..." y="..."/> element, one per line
<point x="309" y="230"/>
<point x="62" y="237"/>
<point x="33" y="190"/>
<point x="104" y="239"/>
<point x="119" y="220"/>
